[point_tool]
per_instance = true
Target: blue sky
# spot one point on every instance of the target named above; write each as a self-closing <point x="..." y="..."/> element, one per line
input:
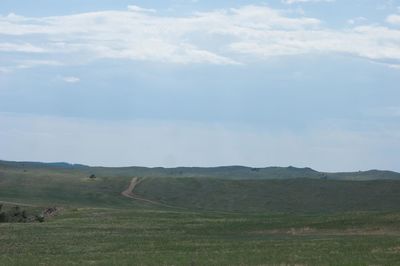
<point x="167" y="83"/>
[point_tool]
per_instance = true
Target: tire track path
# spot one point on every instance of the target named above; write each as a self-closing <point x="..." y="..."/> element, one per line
<point x="130" y="194"/>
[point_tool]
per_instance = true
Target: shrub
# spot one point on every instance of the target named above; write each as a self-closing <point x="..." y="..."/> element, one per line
<point x="39" y="218"/>
<point x="17" y="211"/>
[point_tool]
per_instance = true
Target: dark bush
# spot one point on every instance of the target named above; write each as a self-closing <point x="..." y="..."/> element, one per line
<point x="39" y="218"/>
<point x="18" y="215"/>
<point x="17" y="211"/>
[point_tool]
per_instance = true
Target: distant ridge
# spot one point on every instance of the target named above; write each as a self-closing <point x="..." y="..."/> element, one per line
<point x="41" y="164"/>
<point x="223" y="172"/>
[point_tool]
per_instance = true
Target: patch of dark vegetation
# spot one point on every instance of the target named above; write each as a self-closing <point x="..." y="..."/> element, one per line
<point x="50" y="212"/>
<point x="17" y="215"/>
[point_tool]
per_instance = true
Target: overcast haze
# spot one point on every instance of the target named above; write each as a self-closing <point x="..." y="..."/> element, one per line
<point x="201" y="83"/>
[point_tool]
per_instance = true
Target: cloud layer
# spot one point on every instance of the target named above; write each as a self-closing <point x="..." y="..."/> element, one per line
<point x="393" y="19"/>
<point x="289" y="2"/>
<point x="225" y="36"/>
<point x="71" y="79"/>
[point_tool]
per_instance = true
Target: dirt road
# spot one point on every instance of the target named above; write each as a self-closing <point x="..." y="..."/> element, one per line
<point x="129" y="191"/>
<point x="130" y="194"/>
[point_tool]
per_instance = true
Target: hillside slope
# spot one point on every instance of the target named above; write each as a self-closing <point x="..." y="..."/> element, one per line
<point x="224" y="172"/>
<point x="293" y="195"/>
<point x="39" y="186"/>
<point x="228" y="188"/>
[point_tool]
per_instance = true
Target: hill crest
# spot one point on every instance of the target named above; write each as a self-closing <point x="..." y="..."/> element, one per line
<point x="225" y="172"/>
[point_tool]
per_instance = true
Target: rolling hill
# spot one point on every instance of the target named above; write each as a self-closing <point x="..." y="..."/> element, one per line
<point x="214" y="216"/>
<point x="236" y="188"/>
<point x="289" y="195"/>
<point x="224" y="172"/>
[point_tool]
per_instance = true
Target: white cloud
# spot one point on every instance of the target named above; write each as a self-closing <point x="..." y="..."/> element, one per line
<point x="34" y="63"/>
<point x="372" y="42"/>
<point x="4" y="70"/>
<point x="25" y="64"/>
<point x="71" y="79"/>
<point x="356" y="20"/>
<point x="289" y="2"/>
<point x="393" y="19"/>
<point x="389" y="64"/>
<point x="140" y="9"/>
<point x="24" y="48"/>
<point x="226" y="36"/>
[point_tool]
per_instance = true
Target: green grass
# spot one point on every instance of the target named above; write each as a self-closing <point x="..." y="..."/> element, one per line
<point x="161" y="237"/>
<point x="222" y="222"/>
<point x="41" y="186"/>
<point x="74" y="188"/>
<point x="292" y="195"/>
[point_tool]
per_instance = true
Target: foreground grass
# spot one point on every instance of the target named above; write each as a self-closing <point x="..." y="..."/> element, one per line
<point x="142" y="236"/>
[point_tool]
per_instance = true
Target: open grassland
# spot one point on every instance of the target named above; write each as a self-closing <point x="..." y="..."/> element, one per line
<point x="197" y="221"/>
<point x="61" y="187"/>
<point x="74" y="188"/>
<point x="289" y="195"/>
<point x="88" y="236"/>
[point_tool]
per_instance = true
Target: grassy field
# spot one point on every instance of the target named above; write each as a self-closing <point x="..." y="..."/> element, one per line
<point x="288" y="195"/>
<point x="74" y="188"/>
<point x="213" y="221"/>
<point x="141" y="236"/>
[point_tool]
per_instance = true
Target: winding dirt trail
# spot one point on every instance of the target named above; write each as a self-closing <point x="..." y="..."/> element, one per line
<point x="129" y="193"/>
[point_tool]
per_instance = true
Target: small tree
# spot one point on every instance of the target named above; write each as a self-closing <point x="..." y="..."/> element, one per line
<point x="92" y="176"/>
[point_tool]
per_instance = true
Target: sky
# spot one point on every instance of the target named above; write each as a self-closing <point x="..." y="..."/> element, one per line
<point x="307" y="83"/>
